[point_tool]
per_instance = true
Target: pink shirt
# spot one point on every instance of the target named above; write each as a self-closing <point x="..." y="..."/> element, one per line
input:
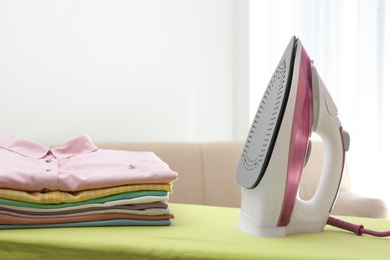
<point x="74" y="166"/>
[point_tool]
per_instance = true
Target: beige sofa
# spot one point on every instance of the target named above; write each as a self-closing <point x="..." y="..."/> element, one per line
<point x="207" y="175"/>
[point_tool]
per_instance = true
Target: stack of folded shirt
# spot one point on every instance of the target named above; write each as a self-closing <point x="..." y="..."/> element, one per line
<point x="77" y="184"/>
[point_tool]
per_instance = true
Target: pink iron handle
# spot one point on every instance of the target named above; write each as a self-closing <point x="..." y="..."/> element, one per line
<point x="312" y="215"/>
<point x="336" y="141"/>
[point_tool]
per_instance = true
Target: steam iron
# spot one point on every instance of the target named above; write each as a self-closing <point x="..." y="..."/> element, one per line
<point x="295" y="104"/>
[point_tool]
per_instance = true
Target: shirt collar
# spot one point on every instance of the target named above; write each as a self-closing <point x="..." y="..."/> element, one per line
<point x="78" y="145"/>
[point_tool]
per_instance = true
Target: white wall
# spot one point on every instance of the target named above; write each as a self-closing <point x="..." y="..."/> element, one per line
<point x="121" y="70"/>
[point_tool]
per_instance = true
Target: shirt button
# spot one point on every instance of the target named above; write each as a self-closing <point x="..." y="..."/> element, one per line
<point x="48" y="170"/>
<point x="48" y="160"/>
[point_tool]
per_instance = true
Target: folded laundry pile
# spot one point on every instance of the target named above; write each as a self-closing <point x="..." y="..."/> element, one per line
<point x="77" y="184"/>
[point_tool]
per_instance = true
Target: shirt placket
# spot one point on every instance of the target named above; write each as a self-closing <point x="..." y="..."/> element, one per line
<point x="48" y="172"/>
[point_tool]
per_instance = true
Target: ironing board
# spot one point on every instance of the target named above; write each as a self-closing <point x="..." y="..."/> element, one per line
<point x="197" y="232"/>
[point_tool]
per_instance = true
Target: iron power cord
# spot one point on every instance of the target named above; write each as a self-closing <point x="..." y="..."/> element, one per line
<point x="357" y="229"/>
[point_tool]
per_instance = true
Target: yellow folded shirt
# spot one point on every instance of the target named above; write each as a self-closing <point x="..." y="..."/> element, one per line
<point x="57" y="197"/>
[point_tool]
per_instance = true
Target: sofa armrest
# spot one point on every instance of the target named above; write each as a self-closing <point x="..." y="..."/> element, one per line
<point x="351" y="204"/>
